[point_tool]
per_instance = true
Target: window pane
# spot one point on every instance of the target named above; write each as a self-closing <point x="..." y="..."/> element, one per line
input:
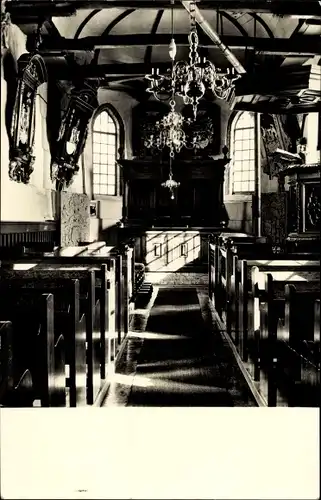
<point x="104" y="148"/>
<point x="237" y="155"/>
<point x="243" y="154"/>
<point x="111" y="139"/>
<point x="111" y="127"/>
<point x="103" y="159"/>
<point x="96" y="158"/>
<point x="111" y="190"/>
<point x="100" y="123"/>
<point x="237" y="166"/>
<point x="104" y="154"/>
<point x="96" y="147"/>
<point x="246" y="133"/>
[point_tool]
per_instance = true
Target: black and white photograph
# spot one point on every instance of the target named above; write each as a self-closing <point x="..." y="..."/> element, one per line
<point x="160" y="249"/>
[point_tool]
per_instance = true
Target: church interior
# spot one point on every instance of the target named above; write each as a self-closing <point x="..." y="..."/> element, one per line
<point x="160" y="203"/>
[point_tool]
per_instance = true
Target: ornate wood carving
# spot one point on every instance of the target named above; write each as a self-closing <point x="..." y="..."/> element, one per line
<point x="145" y="116"/>
<point x="313" y="206"/>
<point x="304" y="207"/>
<point x="73" y="133"/>
<point x="5" y="21"/>
<point x="199" y="198"/>
<point x="32" y="73"/>
<point x="279" y="132"/>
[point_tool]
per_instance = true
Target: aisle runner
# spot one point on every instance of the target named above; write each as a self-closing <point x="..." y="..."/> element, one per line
<point x="177" y="365"/>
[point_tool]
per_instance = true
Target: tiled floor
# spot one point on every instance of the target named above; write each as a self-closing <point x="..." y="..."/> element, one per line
<point x="176" y="356"/>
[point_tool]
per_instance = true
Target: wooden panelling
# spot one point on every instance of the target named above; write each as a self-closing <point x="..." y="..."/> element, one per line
<point x="14" y="234"/>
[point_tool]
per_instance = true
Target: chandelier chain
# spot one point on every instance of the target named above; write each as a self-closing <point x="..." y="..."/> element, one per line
<point x="190" y="80"/>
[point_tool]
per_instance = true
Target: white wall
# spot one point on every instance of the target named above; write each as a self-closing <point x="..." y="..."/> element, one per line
<point x="312" y="133"/>
<point x="21" y="202"/>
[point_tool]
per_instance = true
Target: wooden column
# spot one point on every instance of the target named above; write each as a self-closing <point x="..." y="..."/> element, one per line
<point x="257" y="189"/>
<point x="125" y="201"/>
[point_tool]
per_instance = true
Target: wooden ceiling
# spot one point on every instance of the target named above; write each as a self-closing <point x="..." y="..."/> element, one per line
<point x="120" y="41"/>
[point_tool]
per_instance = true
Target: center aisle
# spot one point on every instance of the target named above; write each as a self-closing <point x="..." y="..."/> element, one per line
<point x="176" y="356"/>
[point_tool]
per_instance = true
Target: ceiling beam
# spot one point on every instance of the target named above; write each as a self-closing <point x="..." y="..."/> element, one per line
<point x="61" y="71"/>
<point x="31" y="8"/>
<point x="307" y="45"/>
<point x="275" y="108"/>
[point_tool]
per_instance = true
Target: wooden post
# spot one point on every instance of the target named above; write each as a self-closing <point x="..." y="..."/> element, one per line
<point x="243" y="312"/>
<point x="47" y="347"/>
<point x="210" y="260"/>
<point x="257" y="177"/>
<point x="316" y="333"/>
<point x="6" y="359"/>
<point x="89" y="339"/>
<point x="119" y="306"/>
<point x="235" y="299"/>
<point x="291" y="326"/>
<point x="272" y="342"/>
<point x="125" y="294"/>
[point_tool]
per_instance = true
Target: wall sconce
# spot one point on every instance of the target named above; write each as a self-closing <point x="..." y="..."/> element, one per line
<point x="73" y="133"/>
<point x="31" y="73"/>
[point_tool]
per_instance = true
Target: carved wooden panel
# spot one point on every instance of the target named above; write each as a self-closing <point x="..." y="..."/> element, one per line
<point x="32" y="73"/>
<point x="277" y="131"/>
<point x="274" y="217"/>
<point x="74" y="219"/>
<point x="198" y="199"/>
<point x="312" y="201"/>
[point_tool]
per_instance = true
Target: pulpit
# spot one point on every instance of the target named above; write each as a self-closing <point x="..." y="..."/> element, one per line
<point x="303" y="208"/>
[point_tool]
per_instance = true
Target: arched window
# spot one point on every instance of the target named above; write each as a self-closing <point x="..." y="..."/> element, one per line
<point x="105" y="147"/>
<point x="242" y="148"/>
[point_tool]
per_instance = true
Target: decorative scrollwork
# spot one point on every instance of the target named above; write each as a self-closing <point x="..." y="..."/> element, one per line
<point x="5" y="22"/>
<point x="73" y="133"/>
<point x="314" y="208"/>
<point x="32" y="73"/>
<point x="21" y="166"/>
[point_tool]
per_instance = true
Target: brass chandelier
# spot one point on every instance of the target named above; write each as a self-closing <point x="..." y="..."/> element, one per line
<point x="190" y="80"/>
<point x="170" y="132"/>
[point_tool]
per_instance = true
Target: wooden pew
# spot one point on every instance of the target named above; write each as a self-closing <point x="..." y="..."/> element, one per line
<point x="285" y="358"/>
<point x="35" y="360"/>
<point x="251" y="295"/>
<point x="121" y="267"/>
<point x="68" y="321"/>
<point x="241" y="285"/>
<point x="124" y="258"/>
<point x="221" y="250"/>
<point x="222" y="266"/>
<point x="6" y="361"/>
<point x="82" y="319"/>
<point x="110" y="256"/>
<point x="120" y="284"/>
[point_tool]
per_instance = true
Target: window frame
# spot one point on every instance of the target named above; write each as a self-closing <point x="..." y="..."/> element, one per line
<point x="230" y="179"/>
<point x="119" y="148"/>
